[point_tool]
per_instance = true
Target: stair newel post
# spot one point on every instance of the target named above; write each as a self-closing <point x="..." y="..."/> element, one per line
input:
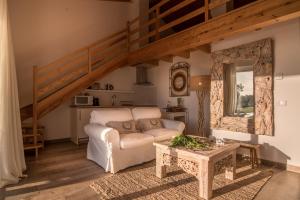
<point x="206" y="6"/>
<point x="35" y="109"/>
<point x="157" y="24"/>
<point x="90" y="59"/>
<point x="128" y="36"/>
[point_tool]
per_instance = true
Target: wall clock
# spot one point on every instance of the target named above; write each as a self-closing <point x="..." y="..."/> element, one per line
<point x="179" y="79"/>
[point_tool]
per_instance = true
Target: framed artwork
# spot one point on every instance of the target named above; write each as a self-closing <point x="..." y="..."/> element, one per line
<point x="179" y="79"/>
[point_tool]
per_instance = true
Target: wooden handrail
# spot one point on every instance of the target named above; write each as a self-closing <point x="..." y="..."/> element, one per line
<point x="59" y="83"/>
<point x="70" y="55"/>
<point x="134" y="20"/>
<point x="110" y="44"/>
<point x="157" y="6"/>
<point x="175" y="8"/>
<point x="42" y="78"/>
<point x="121" y="46"/>
<point x="150" y="34"/>
<point x="182" y="19"/>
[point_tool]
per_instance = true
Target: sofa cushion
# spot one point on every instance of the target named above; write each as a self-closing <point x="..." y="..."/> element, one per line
<point x="146" y="113"/>
<point x="149" y="124"/>
<point x="105" y="115"/>
<point x="123" y="127"/>
<point x="133" y="140"/>
<point x="162" y="134"/>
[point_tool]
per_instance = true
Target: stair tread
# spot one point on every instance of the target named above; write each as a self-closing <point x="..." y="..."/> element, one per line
<point x="32" y="135"/>
<point x="29" y="126"/>
<point x="32" y="146"/>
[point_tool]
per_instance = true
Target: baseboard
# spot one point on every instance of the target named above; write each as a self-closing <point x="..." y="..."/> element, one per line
<point x="58" y="141"/>
<point x="270" y="163"/>
<point x="293" y="168"/>
<point x="278" y="165"/>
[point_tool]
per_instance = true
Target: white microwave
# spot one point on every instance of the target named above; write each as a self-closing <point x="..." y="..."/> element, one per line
<point x="83" y="100"/>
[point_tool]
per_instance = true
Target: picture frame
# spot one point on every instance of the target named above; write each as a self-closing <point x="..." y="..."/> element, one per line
<point x="179" y="79"/>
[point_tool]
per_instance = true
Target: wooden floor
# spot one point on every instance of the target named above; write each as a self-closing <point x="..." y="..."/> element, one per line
<point x="63" y="172"/>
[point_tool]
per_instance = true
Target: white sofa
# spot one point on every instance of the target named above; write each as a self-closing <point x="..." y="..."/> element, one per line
<point x="114" y="151"/>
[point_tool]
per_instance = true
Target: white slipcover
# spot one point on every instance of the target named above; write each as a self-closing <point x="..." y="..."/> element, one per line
<point x="114" y="151"/>
<point x="104" y="115"/>
<point x="161" y="134"/>
<point x="146" y="113"/>
<point x="133" y="140"/>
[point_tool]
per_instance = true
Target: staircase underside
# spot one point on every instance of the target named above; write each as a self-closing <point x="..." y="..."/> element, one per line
<point x="249" y="18"/>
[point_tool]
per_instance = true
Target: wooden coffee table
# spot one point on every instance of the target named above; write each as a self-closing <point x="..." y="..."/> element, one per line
<point x="197" y="163"/>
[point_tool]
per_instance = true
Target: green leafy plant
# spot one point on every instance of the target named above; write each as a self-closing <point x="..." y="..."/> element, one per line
<point x="189" y="143"/>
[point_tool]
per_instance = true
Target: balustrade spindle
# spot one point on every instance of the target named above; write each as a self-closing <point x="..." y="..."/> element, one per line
<point x="206" y="5"/>
<point x="90" y="60"/>
<point x="157" y="24"/>
<point x="128" y="36"/>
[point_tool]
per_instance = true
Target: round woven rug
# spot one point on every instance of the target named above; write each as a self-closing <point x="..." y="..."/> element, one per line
<point x="141" y="183"/>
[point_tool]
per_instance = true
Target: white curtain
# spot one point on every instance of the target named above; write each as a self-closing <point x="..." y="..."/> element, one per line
<point x="12" y="162"/>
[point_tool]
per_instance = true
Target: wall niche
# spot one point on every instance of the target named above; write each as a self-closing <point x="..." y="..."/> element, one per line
<point x="258" y="117"/>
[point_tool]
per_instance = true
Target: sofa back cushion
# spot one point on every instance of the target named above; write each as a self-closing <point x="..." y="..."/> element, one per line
<point x="146" y="113"/>
<point x="105" y="115"/>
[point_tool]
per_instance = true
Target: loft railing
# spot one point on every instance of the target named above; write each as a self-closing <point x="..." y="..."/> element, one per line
<point x="154" y="26"/>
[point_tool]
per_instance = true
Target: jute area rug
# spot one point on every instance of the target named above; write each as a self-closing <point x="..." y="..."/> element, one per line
<point x="141" y="183"/>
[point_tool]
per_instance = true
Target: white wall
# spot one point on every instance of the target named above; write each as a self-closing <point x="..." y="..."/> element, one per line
<point x="159" y="76"/>
<point x="44" y="30"/>
<point x="284" y="145"/>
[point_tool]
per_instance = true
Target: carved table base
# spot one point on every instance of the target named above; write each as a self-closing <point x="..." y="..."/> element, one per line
<point x="200" y="166"/>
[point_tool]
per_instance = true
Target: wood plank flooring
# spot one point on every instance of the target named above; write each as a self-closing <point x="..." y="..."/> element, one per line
<point x="63" y="172"/>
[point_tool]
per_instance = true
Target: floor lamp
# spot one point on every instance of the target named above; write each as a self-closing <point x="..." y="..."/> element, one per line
<point x="201" y="84"/>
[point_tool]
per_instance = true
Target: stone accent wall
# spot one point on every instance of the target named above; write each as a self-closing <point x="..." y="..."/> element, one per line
<point x="261" y="53"/>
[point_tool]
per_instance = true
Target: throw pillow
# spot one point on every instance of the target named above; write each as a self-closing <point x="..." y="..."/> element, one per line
<point x="149" y="124"/>
<point x="123" y="127"/>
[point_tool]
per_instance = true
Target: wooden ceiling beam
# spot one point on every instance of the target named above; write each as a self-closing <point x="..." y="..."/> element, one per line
<point x="117" y="0"/>
<point x="168" y="58"/>
<point x="183" y="54"/>
<point x="152" y="62"/>
<point x="259" y="14"/>
<point x="205" y="48"/>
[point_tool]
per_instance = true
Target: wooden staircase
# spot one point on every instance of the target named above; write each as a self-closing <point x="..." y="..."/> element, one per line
<point x="60" y="80"/>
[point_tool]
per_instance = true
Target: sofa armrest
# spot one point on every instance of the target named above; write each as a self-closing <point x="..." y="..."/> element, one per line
<point x="171" y="124"/>
<point x="105" y="134"/>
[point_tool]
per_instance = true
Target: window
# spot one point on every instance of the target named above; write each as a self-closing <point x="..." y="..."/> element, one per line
<point x="238" y="89"/>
